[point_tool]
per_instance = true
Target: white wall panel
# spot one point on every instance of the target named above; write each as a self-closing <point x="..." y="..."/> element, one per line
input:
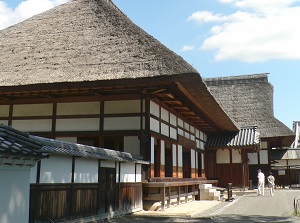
<point x="264" y="145"/>
<point x="127" y="172"/>
<point x="108" y="164"/>
<point x="122" y="123"/>
<point x="193" y="164"/>
<point x="164" y="115"/>
<point x="173" y="133"/>
<point x="15" y="188"/>
<point x="56" y="169"/>
<point x="78" y="108"/>
<point x="154" y="125"/>
<point x="180" y="122"/>
<point x="173" y="119"/>
<point x="4" y="122"/>
<point x="179" y="155"/>
<point x="122" y="107"/>
<point x="152" y="149"/>
<point x="79" y="124"/>
<point x="202" y="161"/>
<point x="33" y="110"/>
<point x="174" y="155"/>
<point x="154" y="109"/>
<point x="164" y="129"/>
<point x="138" y="173"/>
<point x="86" y="170"/>
<point x="36" y="125"/>
<point x="4" y="110"/>
<point x="263" y="155"/>
<point x="223" y="156"/>
<point x="162" y="150"/>
<point x="132" y="144"/>
<point x="180" y="132"/>
<point x="252" y="157"/>
<point x="236" y="156"/>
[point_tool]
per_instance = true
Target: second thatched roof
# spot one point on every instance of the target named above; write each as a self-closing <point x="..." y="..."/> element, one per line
<point x="248" y="100"/>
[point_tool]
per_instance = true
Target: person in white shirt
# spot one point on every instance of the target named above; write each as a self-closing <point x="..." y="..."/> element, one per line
<point x="261" y="183"/>
<point x="271" y="183"/>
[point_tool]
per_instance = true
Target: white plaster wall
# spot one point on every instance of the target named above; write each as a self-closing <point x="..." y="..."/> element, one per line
<point x="79" y="124"/>
<point x="162" y="154"/>
<point x="36" y="125"/>
<point x="236" y="156"/>
<point x="78" y="108"/>
<point x="154" y="109"/>
<point x="174" y="154"/>
<point x="139" y="173"/>
<point x="132" y="144"/>
<point x="164" y="115"/>
<point x="252" y="157"/>
<point x="202" y="161"/>
<point x="264" y="145"/>
<point x="179" y="155"/>
<point x="263" y="156"/>
<point x="127" y="172"/>
<point x="122" y="107"/>
<point x="173" y="119"/>
<point x="193" y="154"/>
<point x="86" y="170"/>
<point x="180" y="132"/>
<point x="186" y="126"/>
<point x="173" y="133"/>
<point x="56" y="169"/>
<point x="33" y="174"/>
<point x="152" y="150"/>
<point x="180" y="122"/>
<point x="122" y="123"/>
<point x="4" y="110"/>
<point x="4" y="122"/>
<point x="32" y="110"/>
<point x="14" y="197"/>
<point x="164" y="129"/>
<point x="108" y="164"/>
<point x="197" y="163"/>
<point x="154" y="125"/>
<point x="223" y="156"/>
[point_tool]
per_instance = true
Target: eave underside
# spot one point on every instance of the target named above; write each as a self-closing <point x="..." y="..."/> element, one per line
<point x="166" y="93"/>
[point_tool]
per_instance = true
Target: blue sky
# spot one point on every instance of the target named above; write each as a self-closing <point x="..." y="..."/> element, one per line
<point x="218" y="37"/>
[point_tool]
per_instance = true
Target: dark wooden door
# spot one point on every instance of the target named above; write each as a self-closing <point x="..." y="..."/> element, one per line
<point x="107" y="190"/>
<point x="110" y="201"/>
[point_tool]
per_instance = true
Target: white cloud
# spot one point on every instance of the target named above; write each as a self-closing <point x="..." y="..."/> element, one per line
<point x="205" y="16"/>
<point x="258" y="31"/>
<point x="187" y="48"/>
<point x="24" y="10"/>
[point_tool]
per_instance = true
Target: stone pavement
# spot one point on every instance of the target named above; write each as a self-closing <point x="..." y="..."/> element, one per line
<point x="246" y="208"/>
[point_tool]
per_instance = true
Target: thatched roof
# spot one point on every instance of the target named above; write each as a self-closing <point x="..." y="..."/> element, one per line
<point x="93" y="42"/>
<point x="82" y="40"/>
<point x="248" y="99"/>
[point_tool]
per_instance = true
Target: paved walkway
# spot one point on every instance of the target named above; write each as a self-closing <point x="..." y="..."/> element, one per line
<point x="246" y="208"/>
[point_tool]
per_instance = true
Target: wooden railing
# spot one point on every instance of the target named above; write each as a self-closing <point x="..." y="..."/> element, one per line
<point x="169" y="190"/>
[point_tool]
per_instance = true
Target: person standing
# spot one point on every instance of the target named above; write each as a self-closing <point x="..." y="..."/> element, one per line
<point x="271" y="183"/>
<point x="261" y="182"/>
